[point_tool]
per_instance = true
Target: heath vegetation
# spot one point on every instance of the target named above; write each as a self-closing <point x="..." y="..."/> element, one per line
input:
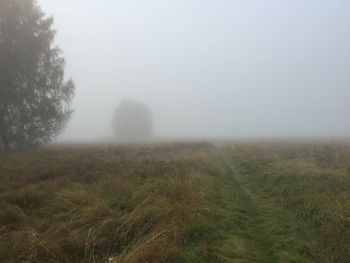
<point x="99" y="203"/>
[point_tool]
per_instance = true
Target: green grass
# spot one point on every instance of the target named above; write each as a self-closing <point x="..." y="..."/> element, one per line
<point x="180" y="202"/>
<point x="241" y="226"/>
<point x="276" y="202"/>
<point x="312" y="184"/>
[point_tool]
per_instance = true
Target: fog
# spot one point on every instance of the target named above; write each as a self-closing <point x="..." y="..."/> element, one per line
<point x="244" y="68"/>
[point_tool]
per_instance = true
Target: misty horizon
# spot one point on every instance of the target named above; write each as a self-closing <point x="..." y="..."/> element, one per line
<point x="174" y="131"/>
<point x="208" y="68"/>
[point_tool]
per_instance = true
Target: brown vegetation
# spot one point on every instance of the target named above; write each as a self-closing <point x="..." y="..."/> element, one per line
<point x="99" y="204"/>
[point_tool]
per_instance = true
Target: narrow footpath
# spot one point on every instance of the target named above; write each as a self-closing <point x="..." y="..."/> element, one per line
<point x="248" y="227"/>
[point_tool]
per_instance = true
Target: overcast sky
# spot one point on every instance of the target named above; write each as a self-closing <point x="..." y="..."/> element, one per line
<point x="208" y="68"/>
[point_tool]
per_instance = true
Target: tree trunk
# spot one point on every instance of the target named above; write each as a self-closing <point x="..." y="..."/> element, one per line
<point x="3" y="136"/>
<point x="4" y="141"/>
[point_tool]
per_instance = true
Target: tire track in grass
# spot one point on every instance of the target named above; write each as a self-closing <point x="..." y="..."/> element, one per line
<point x="269" y="228"/>
<point x="252" y="232"/>
<point x="242" y="226"/>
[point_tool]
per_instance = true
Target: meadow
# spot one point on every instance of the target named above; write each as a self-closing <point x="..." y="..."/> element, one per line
<point x="177" y="202"/>
<point x="276" y="202"/>
<point x="99" y="203"/>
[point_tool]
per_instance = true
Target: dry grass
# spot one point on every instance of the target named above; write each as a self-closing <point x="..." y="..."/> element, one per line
<point x="181" y="202"/>
<point x="99" y="203"/>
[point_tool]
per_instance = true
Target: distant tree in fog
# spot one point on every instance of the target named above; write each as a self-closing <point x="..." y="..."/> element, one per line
<point x="132" y="122"/>
<point x="34" y="96"/>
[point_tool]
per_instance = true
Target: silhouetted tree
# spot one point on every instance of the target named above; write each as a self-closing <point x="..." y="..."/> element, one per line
<point x="34" y="96"/>
<point x="132" y="122"/>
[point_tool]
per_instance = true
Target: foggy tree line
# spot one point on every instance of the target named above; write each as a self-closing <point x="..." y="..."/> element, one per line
<point x="35" y="96"/>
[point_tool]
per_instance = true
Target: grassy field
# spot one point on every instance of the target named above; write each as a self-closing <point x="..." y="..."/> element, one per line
<point x="179" y="202"/>
<point x="276" y="202"/>
<point x="99" y="203"/>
